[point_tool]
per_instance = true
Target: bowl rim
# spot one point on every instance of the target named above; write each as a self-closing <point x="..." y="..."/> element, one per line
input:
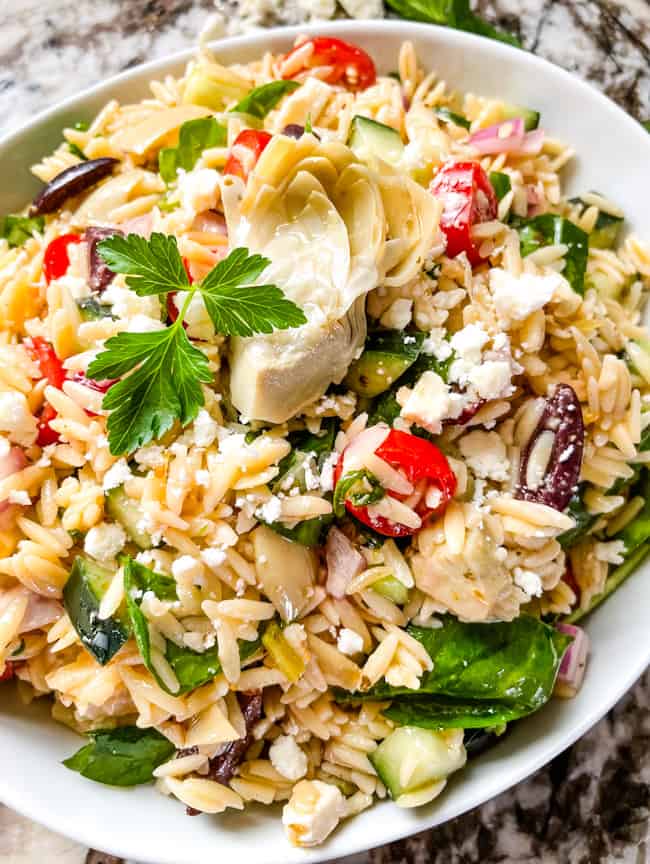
<point x="19" y="799"/>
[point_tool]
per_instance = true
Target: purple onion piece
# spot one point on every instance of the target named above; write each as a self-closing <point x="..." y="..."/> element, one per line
<point x="100" y="274"/>
<point x="71" y="182"/>
<point x="295" y="130"/>
<point x="562" y="416"/>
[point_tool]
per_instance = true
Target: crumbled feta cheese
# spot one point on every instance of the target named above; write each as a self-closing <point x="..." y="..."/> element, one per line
<point x="528" y="581"/>
<point x="185" y="566"/>
<point x="485" y="455"/>
<point x="349" y="642"/>
<point x="313" y="812"/>
<point x="327" y="472"/>
<point x="199" y="189"/>
<point x="152" y="456"/>
<point x="16" y="419"/>
<point x="492" y="379"/>
<point x="19" y="497"/>
<point x="271" y="510"/>
<point x="611" y="553"/>
<point x="287" y="758"/>
<point x="104" y="541"/>
<point x="116" y="475"/>
<point x="144" y="324"/>
<point x="204" y="429"/>
<point x="516" y="297"/>
<point x="213" y="557"/>
<point x="127" y="304"/>
<point x="398" y="314"/>
<point x="469" y="342"/>
<point x="437" y="344"/>
<point x="428" y="403"/>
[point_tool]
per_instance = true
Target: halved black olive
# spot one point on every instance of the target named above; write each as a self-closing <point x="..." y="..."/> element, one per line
<point x="100" y="274"/>
<point x="71" y="182"/>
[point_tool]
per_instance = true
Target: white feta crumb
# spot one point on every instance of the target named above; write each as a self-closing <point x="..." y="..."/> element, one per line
<point x="198" y="189"/>
<point x="313" y="812"/>
<point x="516" y="297"/>
<point x="436" y="344"/>
<point x="433" y="498"/>
<point x="427" y="404"/>
<point x="186" y="565"/>
<point x="469" y="342"/>
<point x="145" y="558"/>
<point x="150" y="457"/>
<point x="287" y="758"/>
<point x="104" y="541"/>
<point x="213" y="557"/>
<point x="19" y="497"/>
<point x="492" y="379"/>
<point x="349" y="642"/>
<point x="485" y="454"/>
<point x="398" y="315"/>
<point x="144" y="324"/>
<point x="271" y="510"/>
<point x="204" y="429"/>
<point x="116" y="475"/>
<point x="16" y="419"/>
<point x="327" y="472"/>
<point x="528" y="581"/>
<point x="611" y="553"/>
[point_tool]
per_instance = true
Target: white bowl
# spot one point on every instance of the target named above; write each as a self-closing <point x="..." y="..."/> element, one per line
<point x="613" y="155"/>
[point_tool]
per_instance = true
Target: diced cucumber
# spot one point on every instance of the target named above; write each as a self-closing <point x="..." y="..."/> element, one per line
<point x="387" y="355"/>
<point x="370" y="138"/>
<point x="214" y="86"/>
<point x="83" y="592"/>
<point x="450" y="117"/>
<point x="528" y="115"/>
<point x="500" y="183"/>
<point x="392" y="589"/>
<point x="91" y="309"/>
<point x="127" y="512"/>
<point x="638" y="353"/>
<point x="413" y="763"/>
<point x="607" y="229"/>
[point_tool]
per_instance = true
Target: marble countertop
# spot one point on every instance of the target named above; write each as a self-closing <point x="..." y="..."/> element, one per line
<point x="592" y="803"/>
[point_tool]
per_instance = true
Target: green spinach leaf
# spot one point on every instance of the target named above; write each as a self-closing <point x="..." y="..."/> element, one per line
<point x="438" y="712"/>
<point x="500" y="183"/>
<point x="310" y="532"/>
<point x="361" y="488"/>
<point x="451" y="13"/>
<point x="192" y="668"/>
<point x="126" y="756"/>
<point x="547" y="230"/>
<point x="194" y="137"/>
<point x="263" y="99"/>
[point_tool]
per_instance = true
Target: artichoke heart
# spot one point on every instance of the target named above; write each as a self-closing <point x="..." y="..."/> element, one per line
<point x="319" y="215"/>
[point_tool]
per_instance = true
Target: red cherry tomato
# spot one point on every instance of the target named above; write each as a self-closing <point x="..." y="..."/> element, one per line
<point x="56" y="260"/>
<point x="419" y="460"/>
<point x="245" y="151"/>
<point x="345" y="63"/>
<point x="50" y="365"/>
<point x="46" y="435"/>
<point x="468" y="197"/>
<point x="8" y="674"/>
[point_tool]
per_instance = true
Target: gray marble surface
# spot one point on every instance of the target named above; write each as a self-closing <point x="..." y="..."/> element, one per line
<point x="592" y="803"/>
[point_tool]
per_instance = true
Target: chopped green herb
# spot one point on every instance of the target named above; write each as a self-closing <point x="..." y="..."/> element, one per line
<point x="547" y="230"/>
<point x="194" y="137"/>
<point x="500" y="183"/>
<point x="360" y="488"/>
<point x="450" y="117"/>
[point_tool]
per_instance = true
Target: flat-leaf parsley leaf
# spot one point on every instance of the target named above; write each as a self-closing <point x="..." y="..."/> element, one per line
<point x="161" y="371"/>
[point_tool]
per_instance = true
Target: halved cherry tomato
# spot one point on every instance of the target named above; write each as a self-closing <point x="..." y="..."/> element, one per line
<point x="56" y="260"/>
<point x="338" y="62"/>
<point x="245" y="151"/>
<point x="468" y="197"/>
<point x="92" y="384"/>
<point x="46" y="435"/>
<point x="50" y="365"/>
<point x="8" y="673"/>
<point x="418" y="460"/>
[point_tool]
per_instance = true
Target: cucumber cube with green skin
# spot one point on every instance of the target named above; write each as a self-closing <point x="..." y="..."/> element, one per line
<point x="413" y="763"/>
<point x="127" y="512"/>
<point x="82" y="595"/>
<point x="448" y="116"/>
<point x="528" y="115"/>
<point x="386" y="357"/>
<point x="607" y="229"/>
<point x="370" y="138"/>
<point x="91" y="309"/>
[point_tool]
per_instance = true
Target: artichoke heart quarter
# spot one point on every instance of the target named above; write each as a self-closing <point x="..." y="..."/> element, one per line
<point x="318" y="214"/>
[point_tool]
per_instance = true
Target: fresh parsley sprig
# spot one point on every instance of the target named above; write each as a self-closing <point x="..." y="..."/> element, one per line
<point x="163" y="370"/>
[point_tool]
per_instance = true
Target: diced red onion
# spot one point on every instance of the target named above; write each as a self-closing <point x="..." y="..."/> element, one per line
<point x="39" y="613"/>
<point x="574" y="662"/>
<point x="507" y="137"/>
<point x="344" y="563"/>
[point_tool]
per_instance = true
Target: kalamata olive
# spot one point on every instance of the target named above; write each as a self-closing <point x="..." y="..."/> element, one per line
<point x="100" y="274"/>
<point x="551" y="460"/>
<point x="222" y="767"/>
<point x="295" y="130"/>
<point x="71" y="182"/>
